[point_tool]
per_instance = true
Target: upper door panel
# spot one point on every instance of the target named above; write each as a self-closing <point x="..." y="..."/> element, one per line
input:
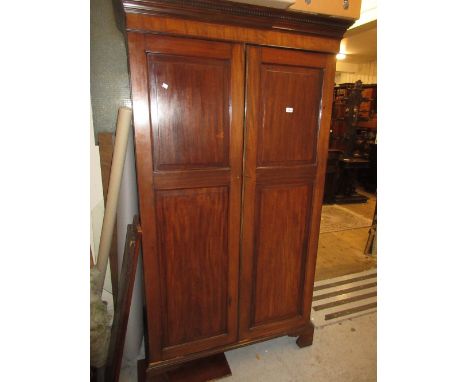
<point x="290" y="98"/>
<point x="189" y="100"/>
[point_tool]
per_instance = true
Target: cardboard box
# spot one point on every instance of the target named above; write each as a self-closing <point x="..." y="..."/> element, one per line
<point x="329" y="7"/>
<point x="280" y="4"/>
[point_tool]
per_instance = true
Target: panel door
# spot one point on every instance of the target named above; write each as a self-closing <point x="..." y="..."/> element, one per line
<point x="289" y="97"/>
<point x="188" y="114"/>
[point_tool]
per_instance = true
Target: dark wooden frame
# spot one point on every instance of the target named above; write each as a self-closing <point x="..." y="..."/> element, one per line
<point x="245" y="15"/>
<point x="122" y="308"/>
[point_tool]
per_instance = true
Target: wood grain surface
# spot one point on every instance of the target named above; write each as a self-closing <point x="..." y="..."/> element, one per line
<point x="192" y="161"/>
<point x="231" y="113"/>
<point x="284" y="133"/>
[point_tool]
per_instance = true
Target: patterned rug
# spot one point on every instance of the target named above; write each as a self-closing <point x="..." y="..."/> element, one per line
<point x="337" y="218"/>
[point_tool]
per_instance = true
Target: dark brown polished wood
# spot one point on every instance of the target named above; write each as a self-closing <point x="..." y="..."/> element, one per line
<point x="285" y="91"/>
<point x="195" y="163"/>
<point x="216" y="263"/>
<point x="228" y="12"/>
<point x="200" y="370"/>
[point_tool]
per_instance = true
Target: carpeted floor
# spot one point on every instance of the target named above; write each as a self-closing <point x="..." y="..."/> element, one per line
<point x="342" y="252"/>
<point x="339" y="218"/>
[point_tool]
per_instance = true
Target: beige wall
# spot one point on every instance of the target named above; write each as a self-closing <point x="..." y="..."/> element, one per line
<point x="366" y="72"/>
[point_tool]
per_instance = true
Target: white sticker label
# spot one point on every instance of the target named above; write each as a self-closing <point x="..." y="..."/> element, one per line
<point x="289" y="110"/>
<point x="164" y="85"/>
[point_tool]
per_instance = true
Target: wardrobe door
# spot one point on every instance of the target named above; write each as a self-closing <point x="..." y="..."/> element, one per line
<point x="289" y="96"/>
<point x="188" y="116"/>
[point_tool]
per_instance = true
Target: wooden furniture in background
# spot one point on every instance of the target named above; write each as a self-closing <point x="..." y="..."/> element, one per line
<point x="368" y="107"/>
<point x="368" y="178"/>
<point x="332" y="175"/>
<point x="347" y="180"/>
<point x="367" y="115"/>
<point x="354" y="134"/>
<point x="230" y="213"/>
<point x="371" y="247"/>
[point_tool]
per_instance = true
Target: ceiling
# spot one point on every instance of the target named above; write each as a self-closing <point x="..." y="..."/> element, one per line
<point x="360" y="44"/>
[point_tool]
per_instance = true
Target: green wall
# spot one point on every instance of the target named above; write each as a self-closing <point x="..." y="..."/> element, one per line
<point x="109" y="70"/>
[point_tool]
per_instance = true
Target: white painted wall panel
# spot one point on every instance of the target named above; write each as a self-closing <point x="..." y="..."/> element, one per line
<point x="126" y="209"/>
<point x="366" y="72"/>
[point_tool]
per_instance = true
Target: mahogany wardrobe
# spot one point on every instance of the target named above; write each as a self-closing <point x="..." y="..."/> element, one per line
<point x="232" y="108"/>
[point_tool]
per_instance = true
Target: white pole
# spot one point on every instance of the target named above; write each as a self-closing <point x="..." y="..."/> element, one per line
<point x="118" y="160"/>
